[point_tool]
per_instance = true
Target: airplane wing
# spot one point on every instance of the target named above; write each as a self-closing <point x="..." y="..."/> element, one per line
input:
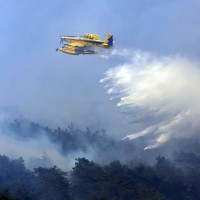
<point x="76" y="44"/>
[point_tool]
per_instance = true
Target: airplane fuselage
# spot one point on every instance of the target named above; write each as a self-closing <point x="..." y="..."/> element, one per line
<point x="85" y="41"/>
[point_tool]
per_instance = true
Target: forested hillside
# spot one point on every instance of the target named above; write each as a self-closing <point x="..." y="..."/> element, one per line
<point x="110" y="179"/>
<point x="89" y="180"/>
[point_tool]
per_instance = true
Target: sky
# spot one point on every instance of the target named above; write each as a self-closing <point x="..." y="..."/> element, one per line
<point x="53" y="88"/>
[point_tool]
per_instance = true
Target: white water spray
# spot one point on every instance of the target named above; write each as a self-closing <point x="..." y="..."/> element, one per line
<point x="160" y="93"/>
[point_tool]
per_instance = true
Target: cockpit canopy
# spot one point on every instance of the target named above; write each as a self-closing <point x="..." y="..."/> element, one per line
<point x="91" y="36"/>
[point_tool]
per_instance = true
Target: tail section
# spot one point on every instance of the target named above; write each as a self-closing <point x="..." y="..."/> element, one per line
<point x="109" y="40"/>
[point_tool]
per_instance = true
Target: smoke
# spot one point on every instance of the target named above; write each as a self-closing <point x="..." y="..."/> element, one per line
<point x="36" y="151"/>
<point x="158" y="94"/>
<point x="32" y="151"/>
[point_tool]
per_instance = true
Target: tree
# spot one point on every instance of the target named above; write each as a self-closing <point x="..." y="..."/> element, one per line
<point x="87" y="177"/>
<point x="53" y="183"/>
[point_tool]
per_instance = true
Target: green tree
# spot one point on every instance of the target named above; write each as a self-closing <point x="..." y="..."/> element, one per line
<point x="53" y="183"/>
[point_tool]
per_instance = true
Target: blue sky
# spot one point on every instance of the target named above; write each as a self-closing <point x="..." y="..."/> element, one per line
<point x="44" y="85"/>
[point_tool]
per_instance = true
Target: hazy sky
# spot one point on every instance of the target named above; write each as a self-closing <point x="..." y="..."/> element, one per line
<point x="55" y="88"/>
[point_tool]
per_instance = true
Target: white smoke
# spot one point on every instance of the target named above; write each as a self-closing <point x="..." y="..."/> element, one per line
<point x="161" y="94"/>
<point x="38" y="151"/>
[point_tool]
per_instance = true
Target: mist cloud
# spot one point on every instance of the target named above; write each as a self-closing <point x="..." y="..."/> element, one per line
<point x="37" y="151"/>
<point x="158" y="93"/>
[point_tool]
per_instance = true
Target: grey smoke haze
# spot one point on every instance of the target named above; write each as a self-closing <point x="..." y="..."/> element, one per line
<point x="40" y="150"/>
<point x="33" y="149"/>
<point x="158" y="94"/>
<point x="38" y="146"/>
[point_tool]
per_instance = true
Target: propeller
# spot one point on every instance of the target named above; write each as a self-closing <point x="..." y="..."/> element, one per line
<point x="61" y="39"/>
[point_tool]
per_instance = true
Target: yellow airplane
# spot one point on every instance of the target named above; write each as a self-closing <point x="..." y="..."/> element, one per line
<point x="84" y="44"/>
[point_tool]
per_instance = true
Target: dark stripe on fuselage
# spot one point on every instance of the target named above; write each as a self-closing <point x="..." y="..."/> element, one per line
<point x="85" y="41"/>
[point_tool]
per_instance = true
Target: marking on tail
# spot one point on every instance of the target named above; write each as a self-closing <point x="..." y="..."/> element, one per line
<point x="109" y="40"/>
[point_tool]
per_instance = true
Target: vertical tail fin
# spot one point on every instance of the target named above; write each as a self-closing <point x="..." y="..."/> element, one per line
<point x="109" y="40"/>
